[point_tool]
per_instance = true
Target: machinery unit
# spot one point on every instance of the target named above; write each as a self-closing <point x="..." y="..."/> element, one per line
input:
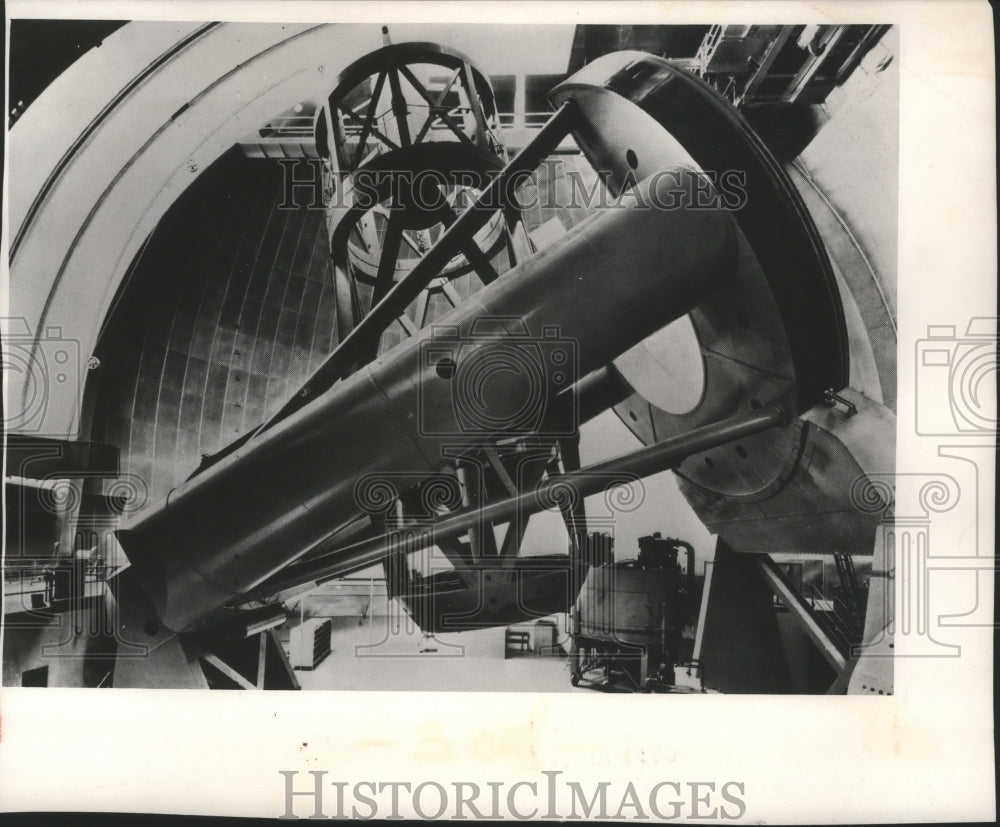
<point x="630" y="617"/>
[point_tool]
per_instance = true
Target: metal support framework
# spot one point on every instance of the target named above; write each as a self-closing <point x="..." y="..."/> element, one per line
<point x="228" y="671"/>
<point x="622" y="470"/>
<point x="481" y="539"/>
<point x="261" y="660"/>
<point x="395" y="63"/>
<point x="498" y="194"/>
<point x="360" y="334"/>
<point x="800" y="610"/>
<point x="310" y="545"/>
<point x="436" y="108"/>
<point x="369" y="119"/>
<point x="374" y="243"/>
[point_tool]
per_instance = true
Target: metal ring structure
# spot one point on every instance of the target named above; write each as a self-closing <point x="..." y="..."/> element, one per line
<point x="375" y="189"/>
<point x="392" y="63"/>
<point x="404" y="150"/>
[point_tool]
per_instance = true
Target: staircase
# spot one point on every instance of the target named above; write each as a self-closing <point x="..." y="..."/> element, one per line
<point x="845" y="621"/>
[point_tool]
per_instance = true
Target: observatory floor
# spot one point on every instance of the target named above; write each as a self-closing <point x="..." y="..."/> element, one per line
<point x="372" y="656"/>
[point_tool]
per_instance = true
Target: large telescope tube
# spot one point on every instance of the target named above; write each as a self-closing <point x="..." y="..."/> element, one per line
<point x="603" y="287"/>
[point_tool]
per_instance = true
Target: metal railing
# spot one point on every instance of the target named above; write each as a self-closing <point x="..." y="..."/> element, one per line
<point x="296" y="126"/>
